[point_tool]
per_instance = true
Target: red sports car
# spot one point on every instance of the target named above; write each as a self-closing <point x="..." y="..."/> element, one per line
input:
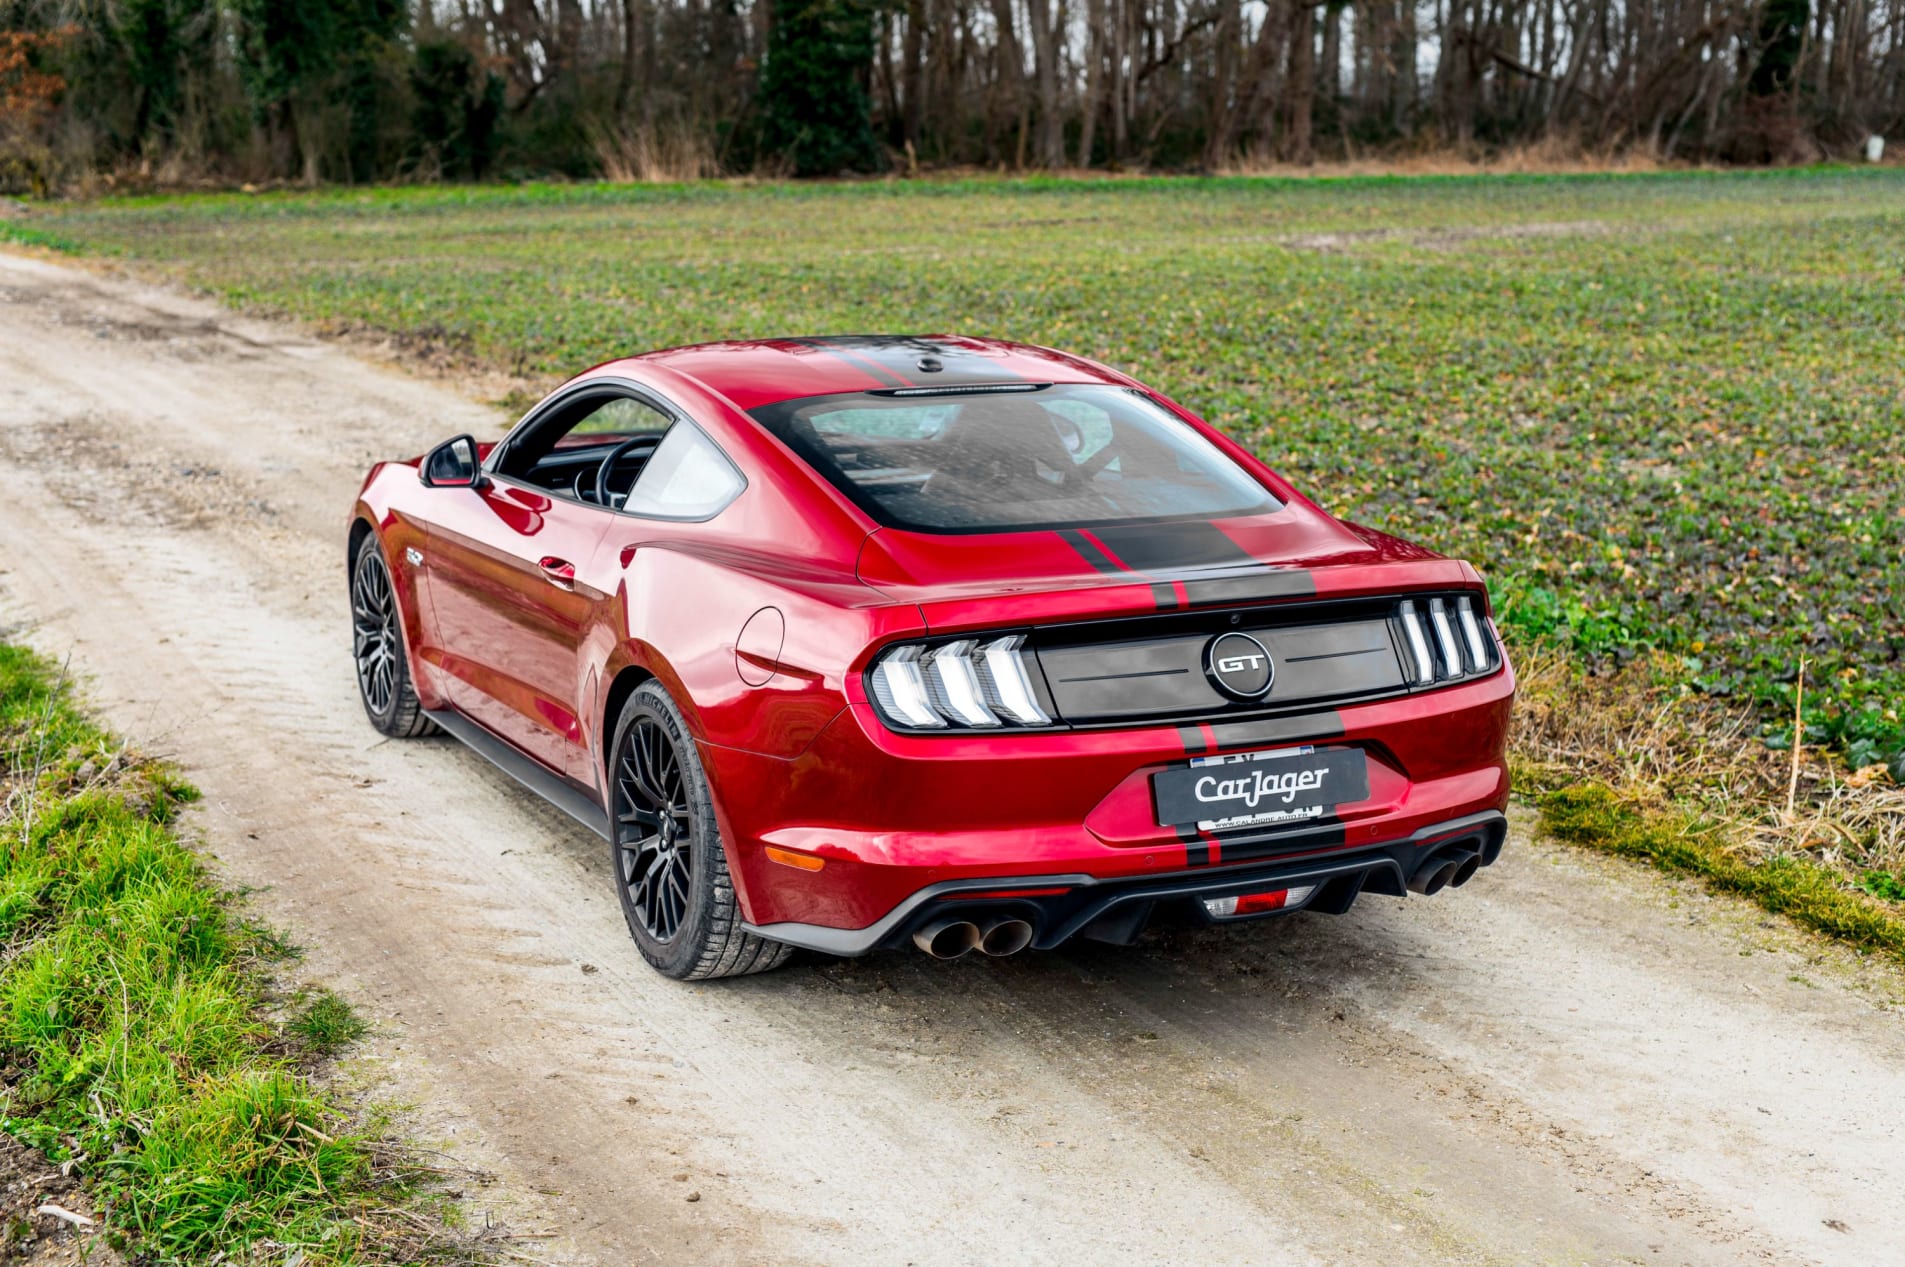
<point x="845" y="643"/>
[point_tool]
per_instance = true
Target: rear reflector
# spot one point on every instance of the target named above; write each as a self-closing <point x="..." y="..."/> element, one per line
<point x="800" y="861"/>
<point x="1258" y="903"/>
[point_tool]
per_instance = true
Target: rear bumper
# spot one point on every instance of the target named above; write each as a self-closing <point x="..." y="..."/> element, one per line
<point x="1060" y="907"/>
<point x="894" y="816"/>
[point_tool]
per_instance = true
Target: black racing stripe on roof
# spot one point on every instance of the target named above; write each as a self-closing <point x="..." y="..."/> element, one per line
<point x="1089" y="552"/>
<point x="1164" y="548"/>
<point x="898" y="356"/>
<point x="866" y="365"/>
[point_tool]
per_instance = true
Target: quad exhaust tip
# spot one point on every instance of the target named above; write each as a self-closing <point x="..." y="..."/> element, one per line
<point x="948" y="938"/>
<point x="1432" y="876"/>
<point x="1006" y="937"/>
<point x="951" y="938"/>
<point x="1450" y="868"/>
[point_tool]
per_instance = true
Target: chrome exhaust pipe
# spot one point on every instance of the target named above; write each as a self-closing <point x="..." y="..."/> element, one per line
<point x="1432" y="876"/>
<point x="1467" y="863"/>
<point x="1005" y="937"/>
<point x="948" y="938"/>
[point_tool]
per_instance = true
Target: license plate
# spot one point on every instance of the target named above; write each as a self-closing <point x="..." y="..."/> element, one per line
<point x="1252" y="788"/>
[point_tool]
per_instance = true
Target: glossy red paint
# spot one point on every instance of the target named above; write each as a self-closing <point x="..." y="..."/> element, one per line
<point x="529" y="613"/>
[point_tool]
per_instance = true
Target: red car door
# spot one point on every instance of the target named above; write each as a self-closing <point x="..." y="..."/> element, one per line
<point x="502" y="564"/>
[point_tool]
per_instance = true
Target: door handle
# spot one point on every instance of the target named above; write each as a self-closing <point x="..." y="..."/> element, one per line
<point x="558" y="572"/>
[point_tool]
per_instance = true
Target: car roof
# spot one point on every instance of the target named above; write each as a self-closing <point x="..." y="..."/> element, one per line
<point x="757" y="372"/>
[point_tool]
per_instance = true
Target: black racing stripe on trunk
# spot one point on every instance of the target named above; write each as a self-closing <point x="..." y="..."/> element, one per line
<point x="1302" y="728"/>
<point x="1193" y="740"/>
<point x="1165" y="595"/>
<point x="1281" y="583"/>
<point x="1089" y="551"/>
<point x="1162" y="549"/>
<point x="1196" y="848"/>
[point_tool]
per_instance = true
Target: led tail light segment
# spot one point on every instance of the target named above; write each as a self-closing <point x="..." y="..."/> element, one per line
<point x="970" y="684"/>
<point x="1444" y="639"/>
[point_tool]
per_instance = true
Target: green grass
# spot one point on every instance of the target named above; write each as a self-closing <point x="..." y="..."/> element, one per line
<point x="133" y="1010"/>
<point x="326" y="1024"/>
<point x="1889" y="885"/>
<point x="1661" y="412"/>
<point x="1677" y="841"/>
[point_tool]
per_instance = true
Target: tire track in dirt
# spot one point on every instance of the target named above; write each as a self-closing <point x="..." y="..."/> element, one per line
<point x="1552" y="1065"/>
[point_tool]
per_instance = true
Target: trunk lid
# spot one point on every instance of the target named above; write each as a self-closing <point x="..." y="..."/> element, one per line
<point x="1038" y="577"/>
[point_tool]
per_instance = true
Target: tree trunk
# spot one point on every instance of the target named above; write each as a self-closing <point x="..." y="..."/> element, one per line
<point x="631" y="54"/>
<point x="1224" y="113"/>
<point x="1011" y="75"/>
<point x="1330" y="78"/>
<point x="1094" y="78"/>
<point x="1120" y="49"/>
<point x="568" y="50"/>
<point x="912" y="84"/>
<point x="1048" y="32"/>
<point x="1300" y="86"/>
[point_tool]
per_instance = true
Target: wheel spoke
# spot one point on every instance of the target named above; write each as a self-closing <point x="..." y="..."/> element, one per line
<point x="654" y="827"/>
<point x="632" y="773"/>
<point x="374" y="632"/>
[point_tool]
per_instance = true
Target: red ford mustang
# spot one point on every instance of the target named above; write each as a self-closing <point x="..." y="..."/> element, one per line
<point x="848" y="642"/>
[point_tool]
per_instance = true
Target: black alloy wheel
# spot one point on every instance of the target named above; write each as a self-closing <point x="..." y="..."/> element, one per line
<point x="653" y="830"/>
<point x="671" y="869"/>
<point x="377" y="649"/>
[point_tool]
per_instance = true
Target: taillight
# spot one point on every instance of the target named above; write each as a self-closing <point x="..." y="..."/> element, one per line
<point x="966" y="684"/>
<point x="1445" y="638"/>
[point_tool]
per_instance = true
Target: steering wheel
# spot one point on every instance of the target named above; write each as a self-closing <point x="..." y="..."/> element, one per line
<point x="615" y="455"/>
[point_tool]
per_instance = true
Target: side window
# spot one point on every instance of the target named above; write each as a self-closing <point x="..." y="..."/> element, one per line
<point x="563" y="449"/>
<point x="616" y="416"/>
<point x="688" y="478"/>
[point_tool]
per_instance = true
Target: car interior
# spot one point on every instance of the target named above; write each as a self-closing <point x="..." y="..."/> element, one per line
<point x="591" y="450"/>
<point x="1057" y="455"/>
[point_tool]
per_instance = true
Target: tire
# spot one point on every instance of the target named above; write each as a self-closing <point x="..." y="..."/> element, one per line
<point x="671" y="871"/>
<point x="377" y="649"/>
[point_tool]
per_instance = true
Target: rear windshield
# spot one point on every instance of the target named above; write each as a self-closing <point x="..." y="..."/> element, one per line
<point x="1043" y="457"/>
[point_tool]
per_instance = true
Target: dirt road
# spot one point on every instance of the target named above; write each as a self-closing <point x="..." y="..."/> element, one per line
<point x="1566" y="1061"/>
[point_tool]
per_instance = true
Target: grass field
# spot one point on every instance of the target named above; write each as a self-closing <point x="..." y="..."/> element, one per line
<point x="1665" y="414"/>
<point x="143" y="1040"/>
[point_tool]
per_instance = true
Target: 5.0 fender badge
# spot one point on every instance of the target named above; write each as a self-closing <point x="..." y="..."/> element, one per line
<point x="1239" y="666"/>
<point x="412" y="555"/>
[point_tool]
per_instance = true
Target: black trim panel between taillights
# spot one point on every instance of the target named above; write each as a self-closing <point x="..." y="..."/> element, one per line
<point x="1168" y="669"/>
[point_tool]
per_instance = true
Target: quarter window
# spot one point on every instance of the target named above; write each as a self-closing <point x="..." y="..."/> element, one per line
<point x="688" y="478"/>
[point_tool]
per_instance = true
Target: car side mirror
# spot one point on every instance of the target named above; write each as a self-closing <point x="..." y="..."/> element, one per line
<point x="452" y="464"/>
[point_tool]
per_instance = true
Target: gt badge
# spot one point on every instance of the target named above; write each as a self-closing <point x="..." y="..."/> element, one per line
<point x="1239" y="666"/>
